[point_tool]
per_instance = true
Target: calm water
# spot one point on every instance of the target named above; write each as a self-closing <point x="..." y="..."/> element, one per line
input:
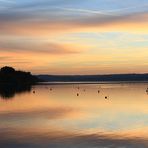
<point x="76" y="116"/>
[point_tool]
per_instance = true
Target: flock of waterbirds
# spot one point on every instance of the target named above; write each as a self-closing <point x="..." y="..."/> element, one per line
<point x="78" y="94"/>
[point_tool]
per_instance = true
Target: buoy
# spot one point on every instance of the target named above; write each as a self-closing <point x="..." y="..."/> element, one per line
<point x="106" y="97"/>
<point x="98" y="91"/>
<point x="77" y="94"/>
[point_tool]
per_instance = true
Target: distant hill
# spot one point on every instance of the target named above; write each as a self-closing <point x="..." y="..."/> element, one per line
<point x="9" y="75"/>
<point x="93" y="78"/>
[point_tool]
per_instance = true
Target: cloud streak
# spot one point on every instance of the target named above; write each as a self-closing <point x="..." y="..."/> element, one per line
<point x="86" y="11"/>
<point x="44" y="18"/>
<point x="48" y="24"/>
<point x="36" y="47"/>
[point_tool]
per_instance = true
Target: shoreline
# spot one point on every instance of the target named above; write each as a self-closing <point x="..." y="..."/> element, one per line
<point x="88" y="82"/>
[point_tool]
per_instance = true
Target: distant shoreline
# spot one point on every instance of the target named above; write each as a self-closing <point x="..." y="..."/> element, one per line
<point x="79" y="83"/>
<point x="118" y="78"/>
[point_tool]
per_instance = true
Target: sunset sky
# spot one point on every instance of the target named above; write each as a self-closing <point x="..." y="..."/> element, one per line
<point x="74" y="36"/>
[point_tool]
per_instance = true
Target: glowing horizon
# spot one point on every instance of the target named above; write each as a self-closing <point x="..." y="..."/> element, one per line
<point x="74" y="37"/>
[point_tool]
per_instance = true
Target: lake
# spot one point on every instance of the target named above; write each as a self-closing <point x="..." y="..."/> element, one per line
<point x="70" y="115"/>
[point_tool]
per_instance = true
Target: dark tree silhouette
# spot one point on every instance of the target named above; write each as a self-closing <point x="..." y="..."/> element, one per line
<point x="12" y="81"/>
<point x="9" y="75"/>
<point x="7" y="69"/>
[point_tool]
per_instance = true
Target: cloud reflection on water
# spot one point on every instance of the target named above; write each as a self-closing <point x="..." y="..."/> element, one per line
<point x="61" y="139"/>
<point x="60" y="119"/>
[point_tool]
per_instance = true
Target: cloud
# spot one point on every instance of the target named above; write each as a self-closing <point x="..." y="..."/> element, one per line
<point x="4" y="58"/>
<point x="85" y="11"/>
<point x="53" y="17"/>
<point x="48" y="20"/>
<point x="9" y="60"/>
<point x="36" y="47"/>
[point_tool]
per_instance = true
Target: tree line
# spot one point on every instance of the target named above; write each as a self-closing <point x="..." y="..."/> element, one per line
<point x="8" y="75"/>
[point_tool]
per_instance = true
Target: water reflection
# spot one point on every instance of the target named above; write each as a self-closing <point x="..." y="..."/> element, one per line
<point x="9" y="91"/>
<point x="53" y="116"/>
<point x="61" y="139"/>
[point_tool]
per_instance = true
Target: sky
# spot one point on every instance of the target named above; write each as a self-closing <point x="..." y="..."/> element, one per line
<point x="74" y="37"/>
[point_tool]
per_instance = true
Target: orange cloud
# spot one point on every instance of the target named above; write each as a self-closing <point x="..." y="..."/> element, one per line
<point x="37" y="47"/>
<point x="136" y="22"/>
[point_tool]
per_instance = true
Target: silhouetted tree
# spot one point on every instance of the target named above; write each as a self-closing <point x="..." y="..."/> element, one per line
<point x="12" y="81"/>
<point x="11" y="76"/>
<point x="7" y="69"/>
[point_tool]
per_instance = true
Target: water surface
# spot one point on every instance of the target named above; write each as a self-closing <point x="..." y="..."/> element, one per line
<point x="76" y="116"/>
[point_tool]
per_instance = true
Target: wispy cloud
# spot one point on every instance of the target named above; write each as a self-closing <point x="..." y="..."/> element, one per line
<point x="86" y="11"/>
<point x="36" y="47"/>
<point x="46" y="24"/>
